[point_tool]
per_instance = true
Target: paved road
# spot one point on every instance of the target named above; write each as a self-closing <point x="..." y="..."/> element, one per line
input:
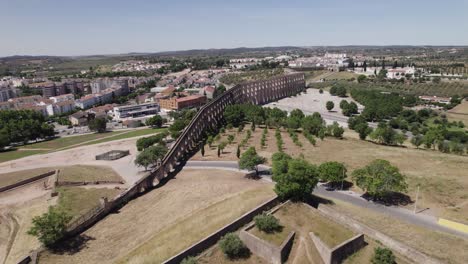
<point x="426" y="221"/>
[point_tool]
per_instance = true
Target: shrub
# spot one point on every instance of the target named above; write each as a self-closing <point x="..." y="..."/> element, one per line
<point x="232" y="246"/>
<point x="267" y="223"/>
<point x="383" y="256"/>
<point x="189" y="260"/>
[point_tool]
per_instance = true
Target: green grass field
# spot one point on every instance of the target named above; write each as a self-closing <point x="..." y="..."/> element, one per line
<point x="16" y="154"/>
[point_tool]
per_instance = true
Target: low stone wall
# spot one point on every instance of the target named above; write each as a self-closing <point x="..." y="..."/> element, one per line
<point x="212" y="239"/>
<point x="405" y="250"/>
<point x="113" y="155"/>
<point x="271" y="253"/>
<point x="23" y="182"/>
<point x="71" y="183"/>
<point x="339" y="253"/>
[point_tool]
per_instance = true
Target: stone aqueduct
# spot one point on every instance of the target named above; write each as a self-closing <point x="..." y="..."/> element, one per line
<point x="257" y="92"/>
<point x="209" y="116"/>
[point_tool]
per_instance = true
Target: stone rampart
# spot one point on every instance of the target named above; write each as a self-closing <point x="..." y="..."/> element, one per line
<point x="26" y="181"/>
<point x="405" y="250"/>
<point x="212" y="239"/>
<point x="337" y="254"/>
<point x="272" y="253"/>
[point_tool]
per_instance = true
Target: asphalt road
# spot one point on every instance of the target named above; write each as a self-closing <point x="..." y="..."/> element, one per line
<point x="423" y="220"/>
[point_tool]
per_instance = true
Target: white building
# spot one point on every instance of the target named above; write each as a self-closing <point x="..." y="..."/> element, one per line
<point x="130" y="111"/>
<point x="62" y="98"/>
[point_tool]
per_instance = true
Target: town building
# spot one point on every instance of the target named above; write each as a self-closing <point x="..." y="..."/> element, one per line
<point x="436" y="99"/>
<point x="177" y="103"/>
<point x="207" y="91"/>
<point x="131" y="111"/>
<point x="80" y="118"/>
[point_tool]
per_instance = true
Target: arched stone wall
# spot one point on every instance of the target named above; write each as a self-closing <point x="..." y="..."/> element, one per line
<point x="257" y="92"/>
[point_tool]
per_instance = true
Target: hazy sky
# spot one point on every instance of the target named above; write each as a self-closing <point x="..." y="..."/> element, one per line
<point x="72" y="27"/>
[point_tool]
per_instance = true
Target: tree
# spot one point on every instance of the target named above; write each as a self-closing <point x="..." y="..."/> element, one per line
<point x="320" y="91"/>
<point x="230" y="138"/>
<point x="313" y="123"/>
<point x="279" y="164"/>
<point x="150" y="156"/>
<point x="155" y="121"/>
<point x="336" y="130"/>
<point x="361" y="78"/>
<point x="384" y="134"/>
<point x="97" y="124"/>
<point x="177" y="127"/>
<point x="383" y="256"/>
<point x="232" y="246"/>
<point x="363" y="130"/>
<point x="238" y="152"/>
<point x="332" y="171"/>
<point x="330" y="105"/>
<point x="267" y="223"/>
<point x="219" y="151"/>
<point x="50" y="227"/>
<point x="379" y="179"/>
<point x="4" y="140"/>
<point x="222" y="146"/>
<point x="202" y="149"/>
<point x="210" y="140"/>
<point x="298" y="182"/>
<point x="250" y="160"/>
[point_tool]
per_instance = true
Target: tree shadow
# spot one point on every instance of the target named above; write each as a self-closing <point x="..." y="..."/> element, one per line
<point x="346" y="185"/>
<point x="393" y="198"/>
<point x="315" y="201"/>
<point x="72" y="245"/>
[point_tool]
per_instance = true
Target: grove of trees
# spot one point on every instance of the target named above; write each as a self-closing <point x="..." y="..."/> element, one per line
<point x="22" y="126"/>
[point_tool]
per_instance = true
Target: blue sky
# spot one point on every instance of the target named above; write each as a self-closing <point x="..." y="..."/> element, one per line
<point x="72" y="27"/>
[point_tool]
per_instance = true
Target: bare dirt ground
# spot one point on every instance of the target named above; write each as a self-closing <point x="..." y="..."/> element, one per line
<point x="313" y="101"/>
<point x="83" y="155"/>
<point x="137" y="222"/>
<point x="15" y="221"/>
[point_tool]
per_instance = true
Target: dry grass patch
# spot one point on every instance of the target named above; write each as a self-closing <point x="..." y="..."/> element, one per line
<point x="446" y="247"/>
<point x="196" y="226"/>
<point x="139" y="221"/>
<point x="77" y="200"/>
<point x="303" y="219"/>
<point x="275" y="238"/>
<point x="365" y="254"/>
<point x="442" y="177"/>
<point x="459" y="113"/>
<point x="87" y="173"/>
<point x="17" y="176"/>
<point x="215" y="255"/>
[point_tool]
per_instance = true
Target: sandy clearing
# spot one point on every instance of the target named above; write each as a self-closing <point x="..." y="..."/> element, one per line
<point x="125" y="166"/>
<point x="20" y="216"/>
<point x="192" y="190"/>
<point x="313" y="101"/>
